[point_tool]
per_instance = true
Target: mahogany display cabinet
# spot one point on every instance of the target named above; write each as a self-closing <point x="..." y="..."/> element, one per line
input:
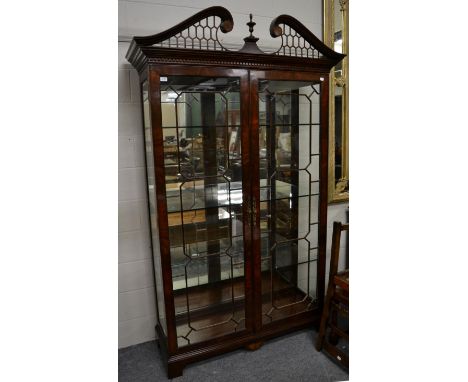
<point x="236" y="160"/>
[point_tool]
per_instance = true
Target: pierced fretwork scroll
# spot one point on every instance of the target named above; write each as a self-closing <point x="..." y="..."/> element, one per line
<point x="297" y="40"/>
<point x="197" y="32"/>
<point x="201" y="35"/>
<point x="293" y="44"/>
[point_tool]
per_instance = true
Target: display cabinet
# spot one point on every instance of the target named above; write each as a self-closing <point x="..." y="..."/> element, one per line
<point x="236" y="160"/>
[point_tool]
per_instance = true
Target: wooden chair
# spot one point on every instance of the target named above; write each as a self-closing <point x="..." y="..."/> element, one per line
<point x="336" y="303"/>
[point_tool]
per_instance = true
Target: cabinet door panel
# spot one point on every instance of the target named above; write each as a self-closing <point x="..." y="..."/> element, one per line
<point x="204" y="181"/>
<point x="288" y="133"/>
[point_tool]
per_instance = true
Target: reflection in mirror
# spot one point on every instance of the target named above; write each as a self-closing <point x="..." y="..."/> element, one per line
<point x="336" y="28"/>
<point x="338" y="37"/>
<point x="338" y="46"/>
<point x="338" y="132"/>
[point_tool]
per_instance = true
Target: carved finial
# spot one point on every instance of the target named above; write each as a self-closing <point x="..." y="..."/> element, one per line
<point x="251" y="25"/>
<point x="250" y="45"/>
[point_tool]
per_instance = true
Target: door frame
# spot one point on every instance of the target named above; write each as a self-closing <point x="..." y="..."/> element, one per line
<point x="155" y="72"/>
<point x="255" y="76"/>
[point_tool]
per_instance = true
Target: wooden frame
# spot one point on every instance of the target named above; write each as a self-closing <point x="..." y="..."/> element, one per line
<point x="166" y="54"/>
<point x="338" y="189"/>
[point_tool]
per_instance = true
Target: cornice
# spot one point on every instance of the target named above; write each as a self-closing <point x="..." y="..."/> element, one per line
<point x="142" y="51"/>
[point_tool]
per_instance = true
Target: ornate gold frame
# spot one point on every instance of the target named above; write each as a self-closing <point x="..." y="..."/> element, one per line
<point x="338" y="191"/>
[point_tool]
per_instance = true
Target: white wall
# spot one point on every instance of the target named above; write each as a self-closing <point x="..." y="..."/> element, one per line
<point x="136" y="287"/>
<point x="151" y="16"/>
<point x="137" y="311"/>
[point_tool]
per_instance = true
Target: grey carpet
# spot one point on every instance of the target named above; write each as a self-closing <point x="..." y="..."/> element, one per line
<point x="289" y="358"/>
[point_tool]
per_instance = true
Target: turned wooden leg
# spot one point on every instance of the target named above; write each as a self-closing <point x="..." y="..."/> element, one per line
<point x="254" y="345"/>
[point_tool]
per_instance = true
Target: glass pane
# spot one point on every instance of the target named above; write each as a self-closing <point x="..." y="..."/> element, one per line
<point x="202" y="161"/>
<point x="289" y="196"/>
<point x="338" y="36"/>
<point x="338" y="46"/>
<point x="338" y="133"/>
<point x="152" y="206"/>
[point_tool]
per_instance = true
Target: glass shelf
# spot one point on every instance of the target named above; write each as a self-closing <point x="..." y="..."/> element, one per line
<point x="193" y="196"/>
<point x="199" y="126"/>
<point x="291" y="124"/>
<point x="284" y="190"/>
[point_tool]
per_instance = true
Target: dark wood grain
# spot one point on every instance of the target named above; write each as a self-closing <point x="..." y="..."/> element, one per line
<point x="226" y="25"/>
<point x="323" y="189"/>
<point x="336" y="302"/>
<point x="228" y="343"/>
<point x="258" y="292"/>
<point x="254" y="193"/>
<point x="247" y="183"/>
<point x="276" y="31"/>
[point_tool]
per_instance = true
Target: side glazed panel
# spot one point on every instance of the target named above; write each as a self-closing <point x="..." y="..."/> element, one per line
<point x="152" y="209"/>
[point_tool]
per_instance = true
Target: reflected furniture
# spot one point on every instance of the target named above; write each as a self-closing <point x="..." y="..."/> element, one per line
<point x="236" y="160"/>
<point x="334" y="337"/>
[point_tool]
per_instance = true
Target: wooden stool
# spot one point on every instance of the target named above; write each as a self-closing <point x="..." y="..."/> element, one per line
<point x="336" y="302"/>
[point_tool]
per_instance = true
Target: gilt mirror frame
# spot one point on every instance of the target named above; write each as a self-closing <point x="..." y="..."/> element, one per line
<point x="334" y="12"/>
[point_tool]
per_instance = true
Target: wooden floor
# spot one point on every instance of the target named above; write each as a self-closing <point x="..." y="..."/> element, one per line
<point x="218" y="309"/>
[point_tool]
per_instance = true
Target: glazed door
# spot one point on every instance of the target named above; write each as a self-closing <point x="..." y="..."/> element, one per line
<point x="204" y="123"/>
<point x="290" y="181"/>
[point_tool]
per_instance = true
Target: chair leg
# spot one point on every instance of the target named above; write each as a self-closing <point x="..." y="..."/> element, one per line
<point x="324" y="319"/>
<point x="333" y="338"/>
